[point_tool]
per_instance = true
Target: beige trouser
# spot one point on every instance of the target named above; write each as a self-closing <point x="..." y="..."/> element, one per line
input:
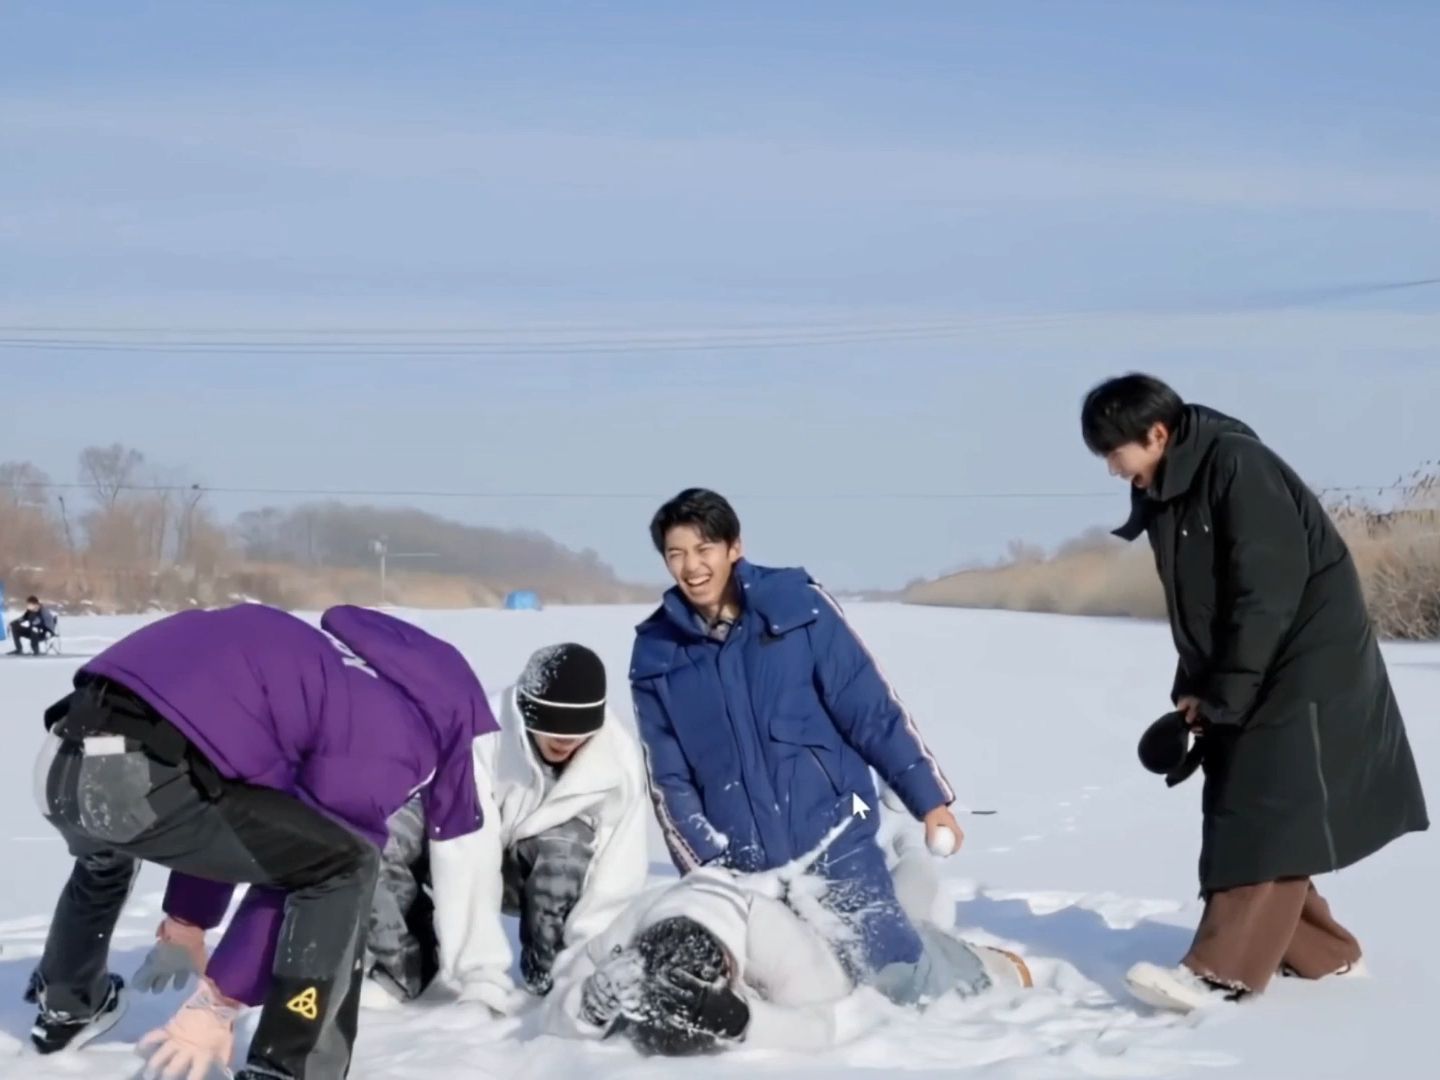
<point x="1248" y="932"/>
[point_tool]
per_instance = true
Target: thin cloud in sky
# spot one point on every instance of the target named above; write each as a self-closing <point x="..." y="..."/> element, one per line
<point x="339" y="143"/>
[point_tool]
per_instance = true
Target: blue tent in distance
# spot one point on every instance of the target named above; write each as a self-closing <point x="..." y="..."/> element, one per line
<point x="523" y="600"/>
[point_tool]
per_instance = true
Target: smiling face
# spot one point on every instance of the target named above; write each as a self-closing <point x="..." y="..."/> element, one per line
<point x="1137" y="462"/>
<point x="701" y="567"/>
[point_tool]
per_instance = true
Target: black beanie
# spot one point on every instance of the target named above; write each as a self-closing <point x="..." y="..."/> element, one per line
<point x="562" y="692"/>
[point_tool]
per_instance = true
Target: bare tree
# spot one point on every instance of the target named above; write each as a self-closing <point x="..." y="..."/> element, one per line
<point x="29" y="536"/>
<point x="109" y="470"/>
<point x="24" y="483"/>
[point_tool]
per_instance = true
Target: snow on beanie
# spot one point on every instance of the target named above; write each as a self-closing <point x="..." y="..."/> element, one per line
<point x="562" y="692"/>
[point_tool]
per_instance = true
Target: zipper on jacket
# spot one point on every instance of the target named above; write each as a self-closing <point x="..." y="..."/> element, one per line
<point x="1324" y="788"/>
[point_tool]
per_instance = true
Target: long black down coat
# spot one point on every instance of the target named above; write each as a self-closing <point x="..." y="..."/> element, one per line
<point x="1307" y="765"/>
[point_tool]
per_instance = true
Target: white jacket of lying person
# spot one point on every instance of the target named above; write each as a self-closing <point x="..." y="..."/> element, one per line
<point x="717" y="958"/>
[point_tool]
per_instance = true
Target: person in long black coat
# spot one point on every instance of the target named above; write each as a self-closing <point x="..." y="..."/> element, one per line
<point x="1280" y="679"/>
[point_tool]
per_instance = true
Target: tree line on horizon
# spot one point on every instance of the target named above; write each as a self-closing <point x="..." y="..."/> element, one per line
<point x="132" y="536"/>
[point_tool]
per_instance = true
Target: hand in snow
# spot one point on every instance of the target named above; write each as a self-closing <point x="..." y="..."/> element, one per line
<point x="199" y="1038"/>
<point x="178" y="953"/>
<point x="942" y="818"/>
<point x="614" y="988"/>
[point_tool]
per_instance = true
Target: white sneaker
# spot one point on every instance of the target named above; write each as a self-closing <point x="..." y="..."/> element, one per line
<point x="1178" y="988"/>
<point x="1006" y="969"/>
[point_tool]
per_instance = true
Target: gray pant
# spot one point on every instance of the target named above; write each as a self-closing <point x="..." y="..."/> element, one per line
<point x="400" y="947"/>
<point x="543" y="878"/>
<point x="117" y="808"/>
<point x="946" y="964"/>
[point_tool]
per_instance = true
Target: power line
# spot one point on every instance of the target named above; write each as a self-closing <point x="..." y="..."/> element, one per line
<point x="548" y="328"/>
<point x="560" y="339"/>
<point x="1271" y="298"/>
<point x="376" y="343"/>
<point x="620" y="496"/>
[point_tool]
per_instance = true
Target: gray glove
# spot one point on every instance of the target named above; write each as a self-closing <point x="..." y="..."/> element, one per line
<point x="614" y="988"/>
<point x="165" y="963"/>
<point x="178" y="953"/>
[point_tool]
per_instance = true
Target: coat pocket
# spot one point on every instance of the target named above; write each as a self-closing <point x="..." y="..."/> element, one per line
<point x="112" y="796"/>
<point x="810" y="741"/>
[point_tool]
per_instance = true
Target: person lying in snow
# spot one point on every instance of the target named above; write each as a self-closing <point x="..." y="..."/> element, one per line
<point x="244" y="746"/>
<point x="563" y="790"/>
<point x="719" y="958"/>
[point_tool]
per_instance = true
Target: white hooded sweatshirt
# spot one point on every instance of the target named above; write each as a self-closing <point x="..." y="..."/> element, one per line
<point x="786" y="971"/>
<point x="604" y="783"/>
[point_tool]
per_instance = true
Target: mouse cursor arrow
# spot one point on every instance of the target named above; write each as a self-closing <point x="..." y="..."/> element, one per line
<point x="858" y="807"/>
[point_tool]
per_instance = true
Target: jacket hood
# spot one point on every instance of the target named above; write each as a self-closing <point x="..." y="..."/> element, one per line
<point x="1200" y="427"/>
<point x="782" y="597"/>
<point x="444" y="690"/>
<point x="431" y="672"/>
<point x="518" y="754"/>
<point x="714" y="899"/>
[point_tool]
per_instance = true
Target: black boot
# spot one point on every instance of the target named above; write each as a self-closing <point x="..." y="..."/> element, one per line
<point x="54" y="1030"/>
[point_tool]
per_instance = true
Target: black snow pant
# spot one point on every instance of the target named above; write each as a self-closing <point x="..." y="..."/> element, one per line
<point x="23" y="632"/>
<point x="544" y="877"/>
<point x="117" y="803"/>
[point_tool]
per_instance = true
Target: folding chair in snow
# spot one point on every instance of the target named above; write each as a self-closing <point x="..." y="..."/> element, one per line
<point x="51" y="645"/>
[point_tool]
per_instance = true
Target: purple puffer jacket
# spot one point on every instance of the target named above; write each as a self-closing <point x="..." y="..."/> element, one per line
<point x="272" y="701"/>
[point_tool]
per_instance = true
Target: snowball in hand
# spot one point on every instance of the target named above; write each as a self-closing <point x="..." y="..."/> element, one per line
<point x="942" y="842"/>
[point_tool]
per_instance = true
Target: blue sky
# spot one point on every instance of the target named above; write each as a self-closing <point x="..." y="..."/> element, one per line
<point x="1071" y="190"/>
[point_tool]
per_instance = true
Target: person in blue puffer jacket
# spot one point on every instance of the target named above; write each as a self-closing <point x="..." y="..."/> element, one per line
<point x="762" y="714"/>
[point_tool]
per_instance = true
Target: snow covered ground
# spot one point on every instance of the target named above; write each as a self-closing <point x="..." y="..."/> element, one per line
<point x="1088" y="866"/>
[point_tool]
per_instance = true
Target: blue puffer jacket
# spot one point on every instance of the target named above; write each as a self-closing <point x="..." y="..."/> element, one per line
<point x="756" y="747"/>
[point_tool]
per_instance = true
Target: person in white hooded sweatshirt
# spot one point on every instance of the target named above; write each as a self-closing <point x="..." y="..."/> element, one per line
<point x="562" y="788"/>
<point x="719" y="958"/>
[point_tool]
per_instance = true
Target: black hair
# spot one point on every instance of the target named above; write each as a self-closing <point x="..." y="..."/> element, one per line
<point x="664" y="1025"/>
<point x="32" y="600"/>
<point x="713" y="517"/>
<point x="1124" y="409"/>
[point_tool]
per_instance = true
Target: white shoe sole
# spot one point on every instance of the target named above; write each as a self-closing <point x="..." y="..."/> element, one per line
<point x="1157" y="998"/>
<point x="1005" y="968"/>
<point x="1155" y="987"/>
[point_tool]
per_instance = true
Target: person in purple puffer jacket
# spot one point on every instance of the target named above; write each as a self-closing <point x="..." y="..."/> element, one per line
<point x="244" y="746"/>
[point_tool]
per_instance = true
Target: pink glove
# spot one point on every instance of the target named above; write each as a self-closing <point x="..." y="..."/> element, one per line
<point x="178" y="953"/>
<point x="201" y="1036"/>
